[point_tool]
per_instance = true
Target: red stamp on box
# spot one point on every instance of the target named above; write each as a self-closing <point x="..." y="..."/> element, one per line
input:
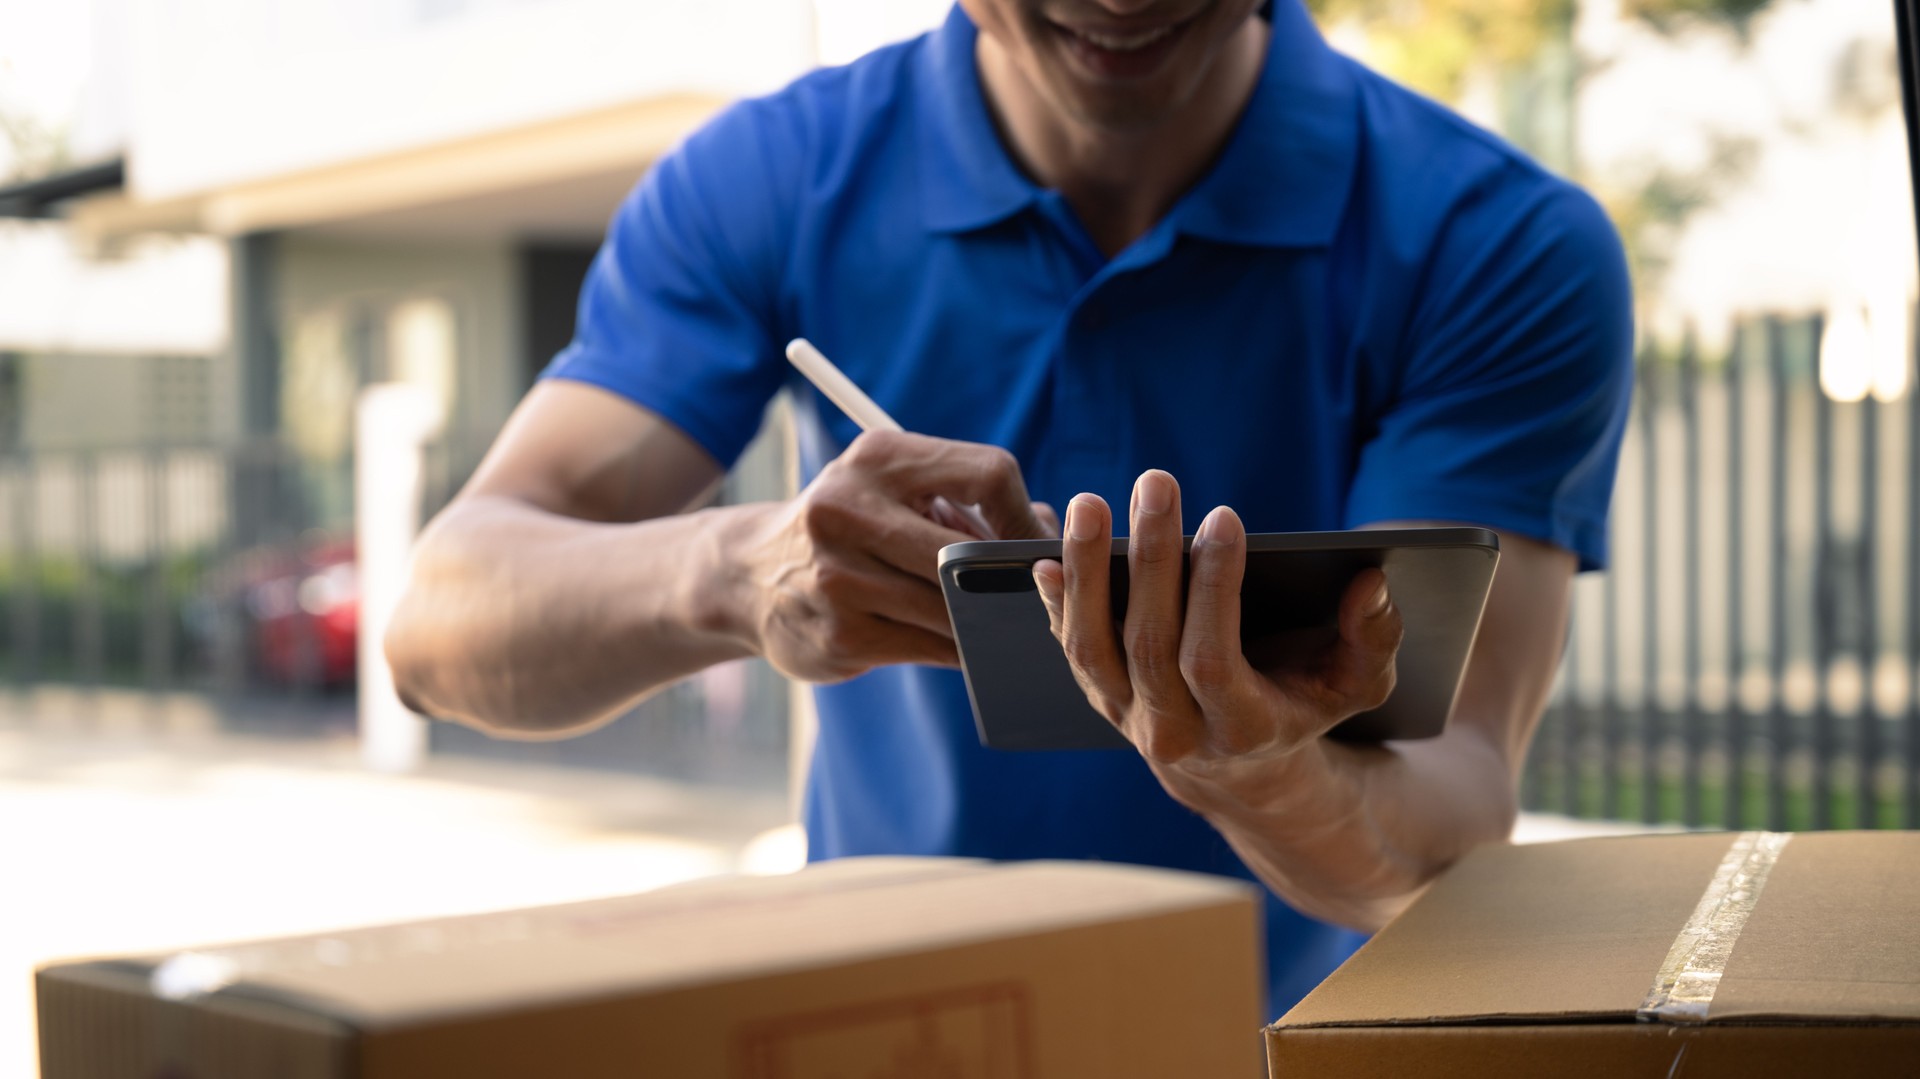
<point x="978" y="1032"/>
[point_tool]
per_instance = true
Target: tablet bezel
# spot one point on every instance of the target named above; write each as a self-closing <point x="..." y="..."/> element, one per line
<point x="1440" y="575"/>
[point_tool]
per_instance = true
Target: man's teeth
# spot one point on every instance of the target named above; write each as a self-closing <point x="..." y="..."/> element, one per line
<point x="1128" y="42"/>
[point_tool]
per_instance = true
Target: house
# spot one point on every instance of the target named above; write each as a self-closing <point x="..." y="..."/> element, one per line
<point x="391" y="190"/>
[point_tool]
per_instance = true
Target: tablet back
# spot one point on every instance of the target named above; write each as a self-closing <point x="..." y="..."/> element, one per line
<point x="1024" y="694"/>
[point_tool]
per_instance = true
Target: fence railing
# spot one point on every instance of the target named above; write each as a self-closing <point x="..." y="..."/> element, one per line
<point x="131" y="579"/>
<point x="1751" y="657"/>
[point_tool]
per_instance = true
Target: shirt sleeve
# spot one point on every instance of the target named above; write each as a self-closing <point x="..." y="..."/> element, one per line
<point x="678" y="312"/>
<point x="1517" y="371"/>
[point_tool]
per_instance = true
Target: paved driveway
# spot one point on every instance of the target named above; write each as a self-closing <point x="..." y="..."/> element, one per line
<point x="114" y="843"/>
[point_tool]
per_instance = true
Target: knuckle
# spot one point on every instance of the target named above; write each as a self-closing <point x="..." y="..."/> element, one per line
<point x="1360" y="689"/>
<point x="833" y="581"/>
<point x="1000" y="467"/>
<point x="1235" y="740"/>
<point x="839" y="636"/>
<point x="1207" y="672"/>
<point x="1152" y="551"/>
<point x="874" y="451"/>
<point x="1380" y="688"/>
<point x="1163" y="743"/>
<point x="822" y="515"/>
<point x="1210" y="577"/>
<point x="1083" y="651"/>
<point x="1152" y="649"/>
<point x="1396" y="631"/>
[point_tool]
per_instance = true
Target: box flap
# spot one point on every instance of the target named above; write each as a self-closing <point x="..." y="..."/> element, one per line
<point x="1835" y="935"/>
<point x="1542" y="932"/>
<point x="704" y="933"/>
<point x="1578" y="931"/>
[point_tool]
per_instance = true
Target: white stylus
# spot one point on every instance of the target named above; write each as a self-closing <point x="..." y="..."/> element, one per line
<point x="839" y="389"/>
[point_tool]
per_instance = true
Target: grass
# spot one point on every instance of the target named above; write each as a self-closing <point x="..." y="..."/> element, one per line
<point x="1546" y="792"/>
<point x="66" y="602"/>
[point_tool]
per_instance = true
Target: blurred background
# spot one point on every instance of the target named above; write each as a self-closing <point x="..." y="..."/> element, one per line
<point x="224" y="222"/>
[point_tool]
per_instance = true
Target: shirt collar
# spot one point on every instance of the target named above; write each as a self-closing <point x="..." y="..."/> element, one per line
<point x="1282" y="179"/>
<point x="967" y="181"/>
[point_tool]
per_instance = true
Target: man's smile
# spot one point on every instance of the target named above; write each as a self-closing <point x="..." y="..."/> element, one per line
<point x="1118" y="52"/>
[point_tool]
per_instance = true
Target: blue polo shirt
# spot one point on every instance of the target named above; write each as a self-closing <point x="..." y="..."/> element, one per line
<point x="1366" y="309"/>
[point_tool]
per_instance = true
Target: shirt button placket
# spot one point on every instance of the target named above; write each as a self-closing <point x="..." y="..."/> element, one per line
<point x="1083" y="409"/>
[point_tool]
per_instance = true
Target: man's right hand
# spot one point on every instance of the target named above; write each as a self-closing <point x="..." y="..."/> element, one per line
<point x="843" y="578"/>
<point x="569" y="579"/>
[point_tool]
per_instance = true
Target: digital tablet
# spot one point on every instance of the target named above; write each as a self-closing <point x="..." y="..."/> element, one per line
<point x="1024" y="695"/>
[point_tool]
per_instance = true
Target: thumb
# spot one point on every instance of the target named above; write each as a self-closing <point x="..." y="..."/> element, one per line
<point x="1362" y="668"/>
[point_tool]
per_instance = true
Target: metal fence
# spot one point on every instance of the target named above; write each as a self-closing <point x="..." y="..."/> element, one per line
<point x="138" y="586"/>
<point x="1750" y="658"/>
<point x="127" y="568"/>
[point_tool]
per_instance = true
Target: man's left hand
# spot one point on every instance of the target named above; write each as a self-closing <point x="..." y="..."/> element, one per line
<point x="1345" y="832"/>
<point x="1174" y="677"/>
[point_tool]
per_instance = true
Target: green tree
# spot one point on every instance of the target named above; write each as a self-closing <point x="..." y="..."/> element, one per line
<point x="1526" y="48"/>
<point x="1432" y="45"/>
<point x="1668" y="16"/>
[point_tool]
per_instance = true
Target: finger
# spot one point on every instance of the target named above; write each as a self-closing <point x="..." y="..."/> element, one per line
<point x="902" y="538"/>
<point x="915" y="468"/>
<point x="1153" y="623"/>
<point x="1211" y="658"/>
<point x="903" y="643"/>
<point x="1360" y="668"/>
<point x="1048" y="519"/>
<point x="960" y="518"/>
<point x="1086" y="606"/>
<point x="861" y="642"/>
<point x="1049" y="579"/>
<point x="886" y="592"/>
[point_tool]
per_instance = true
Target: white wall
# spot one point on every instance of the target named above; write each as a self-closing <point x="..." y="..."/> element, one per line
<point x="479" y="280"/>
<point x="227" y="91"/>
<point x="155" y="295"/>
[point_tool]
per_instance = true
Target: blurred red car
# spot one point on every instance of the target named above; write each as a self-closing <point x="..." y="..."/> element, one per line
<point x="303" y="613"/>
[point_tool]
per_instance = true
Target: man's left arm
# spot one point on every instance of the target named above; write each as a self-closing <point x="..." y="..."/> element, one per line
<point x="1504" y="408"/>
<point x="1345" y="832"/>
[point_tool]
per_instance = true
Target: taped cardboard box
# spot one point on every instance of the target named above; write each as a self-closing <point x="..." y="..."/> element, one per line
<point x="881" y="969"/>
<point x="1751" y="954"/>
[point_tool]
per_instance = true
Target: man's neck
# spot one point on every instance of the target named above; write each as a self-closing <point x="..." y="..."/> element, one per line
<point x="1120" y="183"/>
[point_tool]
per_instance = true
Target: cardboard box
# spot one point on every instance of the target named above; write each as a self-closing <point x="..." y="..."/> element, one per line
<point x="1699" y="955"/>
<point x="875" y="969"/>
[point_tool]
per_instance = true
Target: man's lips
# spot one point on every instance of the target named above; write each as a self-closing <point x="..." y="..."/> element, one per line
<point x="1117" y="53"/>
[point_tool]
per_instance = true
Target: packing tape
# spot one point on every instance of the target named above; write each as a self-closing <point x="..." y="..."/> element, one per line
<point x="1683" y="989"/>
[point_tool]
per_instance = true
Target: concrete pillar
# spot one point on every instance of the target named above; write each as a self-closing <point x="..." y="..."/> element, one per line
<point x="392" y="423"/>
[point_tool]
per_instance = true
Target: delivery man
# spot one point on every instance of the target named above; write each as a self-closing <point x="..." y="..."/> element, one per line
<point x="1082" y="248"/>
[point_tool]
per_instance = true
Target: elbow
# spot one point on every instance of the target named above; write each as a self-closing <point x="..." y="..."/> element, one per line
<point x="405" y="647"/>
<point x="434" y="675"/>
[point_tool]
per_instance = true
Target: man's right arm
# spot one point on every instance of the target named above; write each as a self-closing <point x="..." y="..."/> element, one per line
<point x="568" y="580"/>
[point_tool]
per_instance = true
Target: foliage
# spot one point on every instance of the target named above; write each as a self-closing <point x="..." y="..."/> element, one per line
<point x="29" y="148"/>
<point x="1650" y="212"/>
<point x="1432" y="44"/>
<point x="1435" y="45"/>
<point x="113" y="605"/>
<point x="1670" y="16"/>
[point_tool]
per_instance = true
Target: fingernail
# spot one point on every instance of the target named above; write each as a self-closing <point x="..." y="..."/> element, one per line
<point x="1209" y="529"/>
<point x="1080" y="521"/>
<point x="1043" y="585"/>
<point x="1378" y="601"/>
<point x="1153" y="494"/>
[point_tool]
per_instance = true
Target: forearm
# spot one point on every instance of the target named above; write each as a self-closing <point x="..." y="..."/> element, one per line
<point x="524" y="622"/>
<point x="1349" y="833"/>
